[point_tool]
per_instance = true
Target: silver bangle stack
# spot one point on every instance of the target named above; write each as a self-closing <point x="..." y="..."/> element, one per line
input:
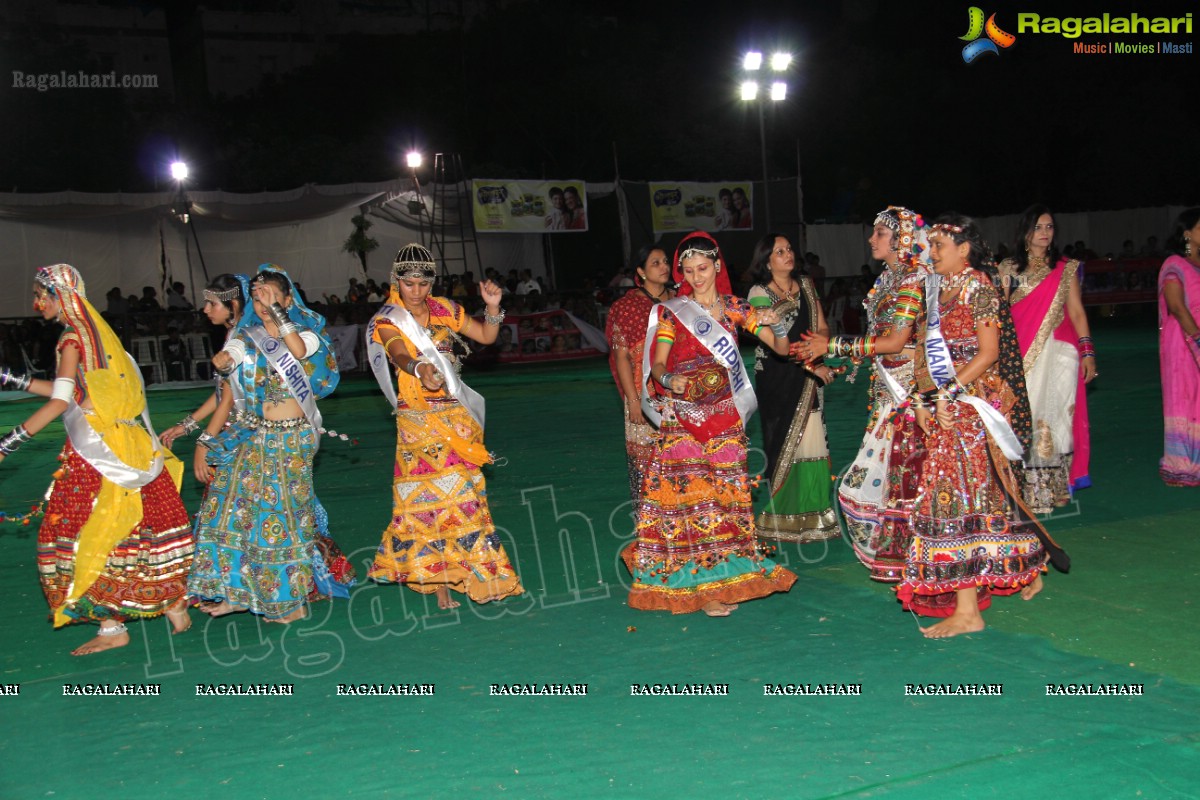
<point x="207" y="440"/>
<point x="285" y="325"/>
<point x="189" y="425"/>
<point x="494" y="319"/>
<point x="11" y="379"/>
<point x="13" y="441"/>
<point x="665" y="380"/>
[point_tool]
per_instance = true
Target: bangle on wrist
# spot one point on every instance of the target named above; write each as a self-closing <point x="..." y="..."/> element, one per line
<point x="18" y="382"/>
<point x="665" y="380"/>
<point x="13" y="441"/>
<point x="494" y="319"/>
<point x="188" y="424"/>
<point x="206" y="440"/>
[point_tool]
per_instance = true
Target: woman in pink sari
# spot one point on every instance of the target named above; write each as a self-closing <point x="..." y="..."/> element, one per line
<point x="1179" y="352"/>
<point x="1060" y="359"/>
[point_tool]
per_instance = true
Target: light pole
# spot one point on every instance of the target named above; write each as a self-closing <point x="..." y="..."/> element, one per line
<point x="413" y="160"/>
<point x="183" y="213"/>
<point x="752" y="63"/>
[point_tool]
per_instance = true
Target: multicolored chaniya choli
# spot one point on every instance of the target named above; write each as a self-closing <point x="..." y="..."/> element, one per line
<point x="104" y="551"/>
<point x="789" y="406"/>
<point x="696" y="540"/>
<point x="1057" y="461"/>
<point x="1179" y="360"/>
<point x="441" y="533"/>
<point x="262" y="535"/>
<point x="626" y="328"/>
<point x="970" y="527"/>
<point x="877" y="491"/>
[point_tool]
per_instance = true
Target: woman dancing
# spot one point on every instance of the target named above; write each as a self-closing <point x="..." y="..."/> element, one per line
<point x="441" y="536"/>
<point x="1059" y="360"/>
<point x="259" y="533"/>
<point x="1179" y="352"/>
<point x="115" y="543"/>
<point x="626" y="334"/>
<point x="876" y="493"/>
<point x="695" y="548"/>
<point x="972" y="535"/>
<point x="789" y="401"/>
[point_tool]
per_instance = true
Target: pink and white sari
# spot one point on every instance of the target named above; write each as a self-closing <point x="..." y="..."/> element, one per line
<point x="1179" y="360"/>
<point x="1057" y="462"/>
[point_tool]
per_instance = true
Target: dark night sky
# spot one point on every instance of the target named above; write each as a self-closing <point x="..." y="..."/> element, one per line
<point x="882" y="108"/>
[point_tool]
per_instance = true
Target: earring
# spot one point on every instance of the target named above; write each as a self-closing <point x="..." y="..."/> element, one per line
<point x="1187" y="246"/>
<point x="718" y="265"/>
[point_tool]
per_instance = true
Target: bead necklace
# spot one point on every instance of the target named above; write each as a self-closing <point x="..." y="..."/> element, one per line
<point x="956" y="281"/>
<point x="787" y="295"/>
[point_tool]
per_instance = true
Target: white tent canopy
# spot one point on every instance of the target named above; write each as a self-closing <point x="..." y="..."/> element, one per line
<point x="120" y="239"/>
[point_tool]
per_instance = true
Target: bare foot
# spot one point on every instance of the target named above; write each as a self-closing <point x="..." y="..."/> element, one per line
<point x="297" y="615"/>
<point x="717" y="609"/>
<point x="181" y="621"/>
<point x="954" y="625"/>
<point x="446" y="602"/>
<point x="1030" y="591"/>
<point x="220" y="609"/>
<point x="108" y="638"/>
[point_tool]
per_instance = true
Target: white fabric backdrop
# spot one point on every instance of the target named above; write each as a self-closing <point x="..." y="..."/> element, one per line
<point x="114" y="239"/>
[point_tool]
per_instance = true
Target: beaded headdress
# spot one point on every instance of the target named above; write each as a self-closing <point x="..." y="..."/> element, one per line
<point x="414" y="262"/>
<point x="946" y="229"/>
<point x="60" y="276"/>
<point x="910" y="239"/>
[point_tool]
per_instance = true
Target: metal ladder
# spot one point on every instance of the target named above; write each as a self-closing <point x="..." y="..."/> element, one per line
<point x="452" y="226"/>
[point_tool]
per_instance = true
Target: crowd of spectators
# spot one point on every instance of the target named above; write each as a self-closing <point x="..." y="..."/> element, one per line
<point x="29" y="343"/>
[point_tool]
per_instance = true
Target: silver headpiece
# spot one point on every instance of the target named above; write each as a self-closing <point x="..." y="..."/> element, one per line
<point x="699" y="251"/>
<point x="225" y="297"/>
<point x="414" y="262"/>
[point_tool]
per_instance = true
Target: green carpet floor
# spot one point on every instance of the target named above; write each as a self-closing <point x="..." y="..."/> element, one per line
<point x="1125" y="615"/>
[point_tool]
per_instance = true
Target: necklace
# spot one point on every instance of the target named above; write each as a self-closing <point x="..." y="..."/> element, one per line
<point x="784" y="292"/>
<point x="660" y="296"/>
<point x="709" y="307"/>
<point x="956" y="281"/>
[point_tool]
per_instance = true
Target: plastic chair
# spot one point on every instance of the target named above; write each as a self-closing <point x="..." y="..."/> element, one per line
<point x="31" y="369"/>
<point x="145" y="354"/>
<point x="200" y="346"/>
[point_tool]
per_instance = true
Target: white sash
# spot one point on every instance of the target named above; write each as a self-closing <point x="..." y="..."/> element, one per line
<point x="235" y="387"/>
<point x="941" y="367"/>
<point x="92" y="448"/>
<point x="292" y="372"/>
<point x="718" y="341"/>
<point x="893" y="385"/>
<point x="400" y="317"/>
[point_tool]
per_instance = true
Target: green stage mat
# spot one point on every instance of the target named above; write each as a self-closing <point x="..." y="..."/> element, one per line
<point x="1124" y="617"/>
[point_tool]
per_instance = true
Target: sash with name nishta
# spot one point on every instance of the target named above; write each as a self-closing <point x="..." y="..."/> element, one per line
<point x="289" y="368"/>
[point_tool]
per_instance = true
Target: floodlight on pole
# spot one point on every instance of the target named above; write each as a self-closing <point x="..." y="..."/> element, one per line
<point x="179" y="170"/>
<point x="752" y="61"/>
<point x="413" y="159"/>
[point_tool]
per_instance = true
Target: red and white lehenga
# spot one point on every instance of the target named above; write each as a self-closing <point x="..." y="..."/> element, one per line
<point x="970" y="527"/>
